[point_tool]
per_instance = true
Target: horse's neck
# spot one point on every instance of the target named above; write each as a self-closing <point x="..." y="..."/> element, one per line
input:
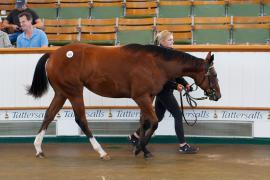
<point x="179" y="68"/>
<point x="194" y="68"/>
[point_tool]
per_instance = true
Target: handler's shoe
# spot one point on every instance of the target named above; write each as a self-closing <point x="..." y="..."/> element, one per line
<point x="187" y="149"/>
<point x="133" y="140"/>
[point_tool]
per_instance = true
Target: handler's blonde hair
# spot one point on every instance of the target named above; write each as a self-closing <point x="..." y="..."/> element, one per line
<point x="161" y="36"/>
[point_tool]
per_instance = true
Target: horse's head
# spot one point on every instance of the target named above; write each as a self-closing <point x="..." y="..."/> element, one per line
<point x="208" y="81"/>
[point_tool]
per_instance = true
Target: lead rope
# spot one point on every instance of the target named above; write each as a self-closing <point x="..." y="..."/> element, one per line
<point x="192" y="103"/>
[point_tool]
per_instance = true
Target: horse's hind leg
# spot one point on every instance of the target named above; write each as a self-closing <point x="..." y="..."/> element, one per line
<point x="79" y="111"/>
<point x="148" y="116"/>
<point x="56" y="104"/>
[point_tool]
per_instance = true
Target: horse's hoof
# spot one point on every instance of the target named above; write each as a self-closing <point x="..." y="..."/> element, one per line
<point x="148" y="155"/>
<point x="40" y="155"/>
<point x="105" y="157"/>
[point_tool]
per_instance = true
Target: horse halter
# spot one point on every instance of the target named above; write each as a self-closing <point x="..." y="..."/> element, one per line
<point x="210" y="92"/>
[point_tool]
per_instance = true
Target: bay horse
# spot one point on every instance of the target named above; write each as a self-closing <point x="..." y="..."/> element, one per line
<point x="131" y="71"/>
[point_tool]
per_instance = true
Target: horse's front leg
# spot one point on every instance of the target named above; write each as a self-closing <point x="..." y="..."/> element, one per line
<point x="146" y="133"/>
<point x="148" y="118"/>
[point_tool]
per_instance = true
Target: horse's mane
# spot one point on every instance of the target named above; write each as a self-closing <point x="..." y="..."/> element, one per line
<point x="166" y="53"/>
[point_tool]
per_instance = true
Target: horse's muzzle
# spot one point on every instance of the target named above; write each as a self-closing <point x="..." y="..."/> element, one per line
<point x="211" y="93"/>
<point x="214" y="98"/>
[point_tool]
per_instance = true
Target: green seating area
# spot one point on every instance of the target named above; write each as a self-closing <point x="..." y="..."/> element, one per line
<point x="106" y="9"/>
<point x="192" y="21"/>
<point x="209" y="8"/>
<point x="174" y="9"/>
<point x="245" y="9"/>
<point x="208" y="30"/>
<point x="188" y="30"/>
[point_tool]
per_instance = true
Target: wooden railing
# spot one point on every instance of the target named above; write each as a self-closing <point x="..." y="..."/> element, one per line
<point x="186" y="48"/>
<point x="136" y="107"/>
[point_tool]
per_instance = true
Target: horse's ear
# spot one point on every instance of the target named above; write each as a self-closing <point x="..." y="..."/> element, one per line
<point x="212" y="58"/>
<point x="208" y="57"/>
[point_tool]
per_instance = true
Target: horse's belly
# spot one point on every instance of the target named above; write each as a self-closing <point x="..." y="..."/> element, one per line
<point x="110" y="93"/>
<point x="109" y="88"/>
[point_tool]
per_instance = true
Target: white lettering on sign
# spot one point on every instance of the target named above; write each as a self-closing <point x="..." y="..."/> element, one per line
<point x="134" y="114"/>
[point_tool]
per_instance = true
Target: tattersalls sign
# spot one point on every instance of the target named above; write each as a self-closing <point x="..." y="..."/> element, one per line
<point x="243" y="115"/>
<point x="231" y="115"/>
<point x="134" y="114"/>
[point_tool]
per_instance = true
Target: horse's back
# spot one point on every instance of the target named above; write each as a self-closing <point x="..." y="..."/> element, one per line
<point x="99" y="56"/>
<point x="107" y="71"/>
<point x="100" y="69"/>
<point x="77" y="55"/>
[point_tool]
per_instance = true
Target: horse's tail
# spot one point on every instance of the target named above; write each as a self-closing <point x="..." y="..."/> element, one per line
<point x="40" y="81"/>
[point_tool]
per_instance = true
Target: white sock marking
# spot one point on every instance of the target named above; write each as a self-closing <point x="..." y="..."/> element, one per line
<point x="97" y="147"/>
<point x="38" y="141"/>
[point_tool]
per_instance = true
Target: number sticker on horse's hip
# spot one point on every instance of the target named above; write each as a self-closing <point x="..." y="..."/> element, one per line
<point x="69" y="54"/>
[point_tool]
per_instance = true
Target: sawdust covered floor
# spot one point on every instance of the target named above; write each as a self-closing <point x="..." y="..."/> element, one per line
<point x="80" y="162"/>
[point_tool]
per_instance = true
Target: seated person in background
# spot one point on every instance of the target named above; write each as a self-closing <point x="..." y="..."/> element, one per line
<point x="12" y="24"/>
<point x="31" y="36"/>
<point x="4" y="40"/>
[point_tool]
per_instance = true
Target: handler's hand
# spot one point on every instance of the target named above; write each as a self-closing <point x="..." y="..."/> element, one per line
<point x="188" y="88"/>
<point x="180" y="87"/>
